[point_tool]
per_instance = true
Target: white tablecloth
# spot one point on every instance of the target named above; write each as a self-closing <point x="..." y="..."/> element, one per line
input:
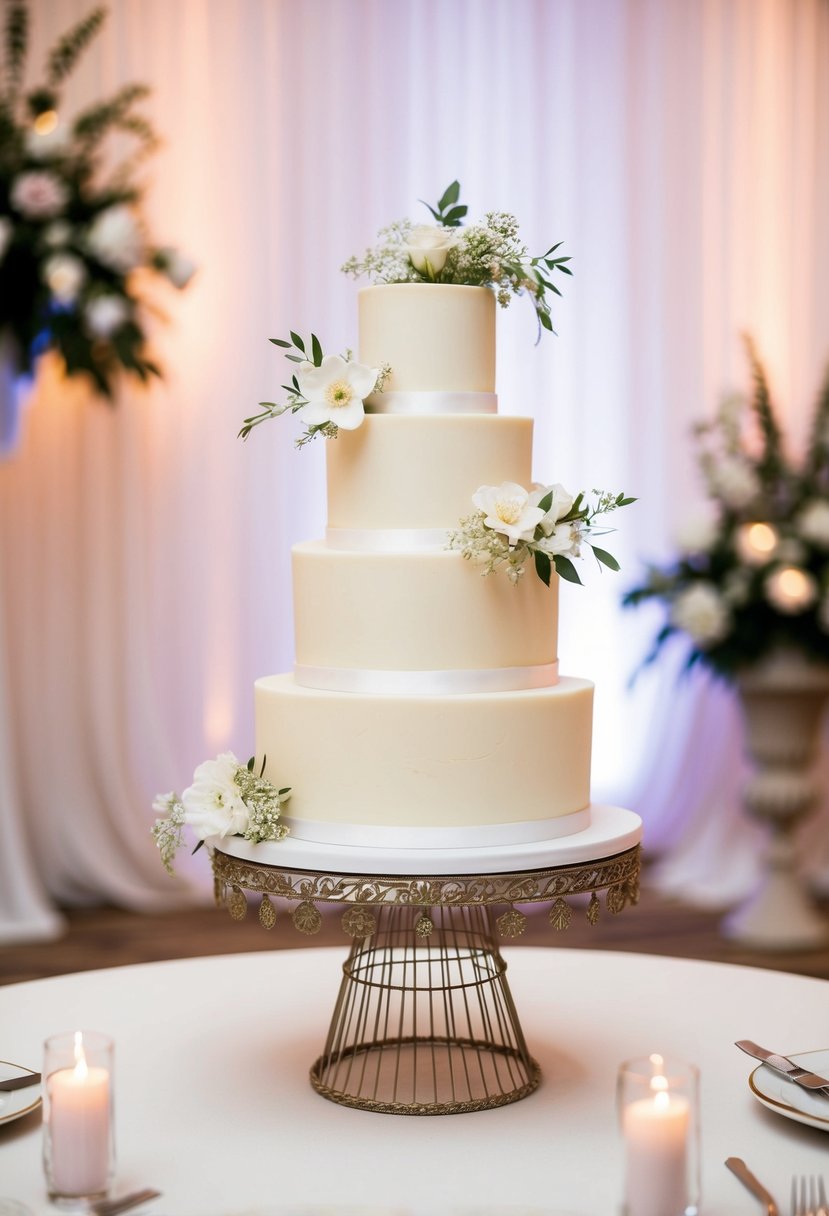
<point x="215" y="1109"/>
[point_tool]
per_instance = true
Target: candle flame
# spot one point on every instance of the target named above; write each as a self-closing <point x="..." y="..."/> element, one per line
<point x="662" y="1100"/>
<point x="80" y="1057"/>
<point x="46" y="122"/>
<point x="657" y="1063"/>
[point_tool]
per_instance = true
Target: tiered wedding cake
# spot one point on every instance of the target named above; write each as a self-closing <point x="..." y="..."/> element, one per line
<point x="425" y="708"/>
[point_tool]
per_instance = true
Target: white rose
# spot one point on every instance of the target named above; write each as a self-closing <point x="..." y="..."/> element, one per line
<point x="428" y="246"/>
<point x="791" y="590"/>
<point x="38" y="195"/>
<point x="178" y="268"/>
<point x="65" y="275"/>
<point x="335" y="391"/>
<point x="813" y="523"/>
<point x="213" y="804"/>
<point x="105" y="314"/>
<point x="115" y="240"/>
<point x="734" y="481"/>
<point x="697" y="533"/>
<point x="6" y="234"/>
<point x="43" y="145"/>
<point x="702" y="613"/>
<point x="508" y="509"/>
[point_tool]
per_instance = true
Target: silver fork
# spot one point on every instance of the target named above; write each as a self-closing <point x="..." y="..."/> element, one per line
<point x="809" y="1197"/>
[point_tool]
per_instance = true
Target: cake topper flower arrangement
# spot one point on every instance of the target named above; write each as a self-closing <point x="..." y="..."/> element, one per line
<point x="70" y="234"/>
<point x="489" y="253"/>
<point x="753" y="576"/>
<point x="226" y="799"/>
<point x="546" y="523"/>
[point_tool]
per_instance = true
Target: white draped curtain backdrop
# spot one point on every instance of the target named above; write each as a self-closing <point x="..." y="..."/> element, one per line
<point x="679" y="148"/>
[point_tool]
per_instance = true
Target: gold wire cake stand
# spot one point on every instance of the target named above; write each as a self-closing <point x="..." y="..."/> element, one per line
<point x="425" y="1023"/>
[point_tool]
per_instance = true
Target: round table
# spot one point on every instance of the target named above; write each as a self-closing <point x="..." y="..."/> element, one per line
<point x="213" y="1104"/>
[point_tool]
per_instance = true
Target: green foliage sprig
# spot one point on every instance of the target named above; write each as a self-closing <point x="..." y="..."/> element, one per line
<point x="448" y="212"/>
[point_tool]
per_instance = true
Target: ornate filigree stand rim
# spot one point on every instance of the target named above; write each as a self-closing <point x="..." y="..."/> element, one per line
<point x="490" y="1102"/>
<point x="617" y="875"/>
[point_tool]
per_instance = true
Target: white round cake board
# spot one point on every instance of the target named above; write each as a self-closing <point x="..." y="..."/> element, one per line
<point x="612" y="830"/>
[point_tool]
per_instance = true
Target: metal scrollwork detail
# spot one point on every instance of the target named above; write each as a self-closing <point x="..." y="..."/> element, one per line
<point x="615" y="900"/>
<point x="512" y="923"/>
<point x="560" y="915"/>
<point x="593" y="909"/>
<point x="237" y="904"/>
<point x="358" y="922"/>
<point x="424" y="926"/>
<point x="307" y="919"/>
<point x="267" y="913"/>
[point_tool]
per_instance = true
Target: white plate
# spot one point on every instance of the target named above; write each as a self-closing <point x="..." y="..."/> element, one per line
<point x="793" y="1101"/>
<point x="20" y="1101"/>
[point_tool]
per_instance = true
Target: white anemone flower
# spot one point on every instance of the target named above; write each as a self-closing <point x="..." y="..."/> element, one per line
<point x="561" y="503"/>
<point x="509" y="509"/>
<point x="335" y="391"/>
<point x="213" y="804"/>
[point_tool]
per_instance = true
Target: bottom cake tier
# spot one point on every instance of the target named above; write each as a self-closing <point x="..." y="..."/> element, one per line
<point x="428" y="771"/>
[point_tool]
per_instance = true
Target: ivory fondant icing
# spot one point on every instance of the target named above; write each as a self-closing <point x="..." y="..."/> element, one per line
<point x="440" y="761"/>
<point x="437" y="338"/>
<point x="399" y="472"/>
<point x="416" y="611"/>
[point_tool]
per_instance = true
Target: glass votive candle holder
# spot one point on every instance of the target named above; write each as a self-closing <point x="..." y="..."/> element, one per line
<point x="78" y="1140"/>
<point x="658" y="1101"/>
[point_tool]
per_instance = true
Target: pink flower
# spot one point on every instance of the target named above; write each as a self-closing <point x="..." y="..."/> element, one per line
<point x="38" y="195"/>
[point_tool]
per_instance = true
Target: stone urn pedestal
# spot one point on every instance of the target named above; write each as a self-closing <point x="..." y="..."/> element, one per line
<point x="783" y="701"/>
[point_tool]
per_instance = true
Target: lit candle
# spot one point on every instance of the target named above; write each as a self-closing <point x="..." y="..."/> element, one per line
<point x="79" y="1126"/>
<point x="791" y="590"/>
<point x="756" y="543"/>
<point x="656" y="1130"/>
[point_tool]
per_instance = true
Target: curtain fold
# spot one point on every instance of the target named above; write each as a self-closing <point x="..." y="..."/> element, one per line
<point x="681" y="153"/>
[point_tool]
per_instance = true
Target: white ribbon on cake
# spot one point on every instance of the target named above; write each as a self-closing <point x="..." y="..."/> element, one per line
<point x="379" y="682"/>
<point x="432" y="403"/>
<point x="387" y="540"/>
<point x="477" y="836"/>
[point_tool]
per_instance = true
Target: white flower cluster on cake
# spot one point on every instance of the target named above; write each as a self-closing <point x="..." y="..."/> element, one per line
<point x="226" y="799"/>
<point x="752" y="574"/>
<point x="489" y="253"/>
<point x="329" y="390"/>
<point x="547" y="523"/>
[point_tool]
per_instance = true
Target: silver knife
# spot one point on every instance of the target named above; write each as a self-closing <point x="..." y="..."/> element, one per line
<point x="800" y="1076"/>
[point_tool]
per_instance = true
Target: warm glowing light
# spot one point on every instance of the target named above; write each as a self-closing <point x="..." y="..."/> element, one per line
<point x="81" y="1069"/>
<point x="794" y="585"/>
<point x="756" y="543"/>
<point x="46" y="122"/>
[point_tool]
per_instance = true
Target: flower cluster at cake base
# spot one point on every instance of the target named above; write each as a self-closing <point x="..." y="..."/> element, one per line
<point x="752" y="575"/>
<point x="545" y="523"/>
<point x="226" y="799"/>
<point x="329" y="390"/>
<point x="489" y="253"/>
<point x="72" y="240"/>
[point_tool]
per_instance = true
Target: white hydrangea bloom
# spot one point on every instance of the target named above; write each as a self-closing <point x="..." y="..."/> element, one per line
<point x="65" y="275"/>
<point x="115" y="239"/>
<point x="813" y="523"/>
<point x="509" y="510"/>
<point x="335" y="391"/>
<point x="734" y="481"/>
<point x="702" y="613"/>
<point x="105" y="314"/>
<point x="38" y="195"/>
<point x="213" y="804"/>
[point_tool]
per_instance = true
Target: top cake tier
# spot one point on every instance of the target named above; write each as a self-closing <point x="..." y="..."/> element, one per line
<point x="437" y="338"/>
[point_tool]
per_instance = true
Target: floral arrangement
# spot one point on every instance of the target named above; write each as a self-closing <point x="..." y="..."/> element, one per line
<point x="487" y="254"/>
<point x="70" y="236"/>
<point x="329" y="390"/>
<point x="754" y="576"/>
<point x="226" y="799"/>
<point x="546" y="523"/>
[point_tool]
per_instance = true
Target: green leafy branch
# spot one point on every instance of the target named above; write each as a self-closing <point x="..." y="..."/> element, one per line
<point x="68" y="49"/>
<point x="449" y="213"/>
<point x="583" y="513"/>
<point x="297" y="351"/>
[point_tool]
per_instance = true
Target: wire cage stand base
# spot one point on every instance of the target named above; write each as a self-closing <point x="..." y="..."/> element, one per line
<point x="425" y="1023"/>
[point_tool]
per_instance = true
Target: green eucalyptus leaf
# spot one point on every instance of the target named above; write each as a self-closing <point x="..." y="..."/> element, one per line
<point x="295" y="358"/>
<point x="450" y="196"/>
<point x="436" y="214"/>
<point x="543" y="567"/>
<point x="249" y="765"/>
<point x="198" y="846"/>
<point x="566" y="569"/>
<point x="607" y="559"/>
<point x="452" y="219"/>
<point x="316" y="350"/>
<point x="544" y="318"/>
<point x="297" y="341"/>
<point x="280" y="342"/>
<point x="546" y="502"/>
